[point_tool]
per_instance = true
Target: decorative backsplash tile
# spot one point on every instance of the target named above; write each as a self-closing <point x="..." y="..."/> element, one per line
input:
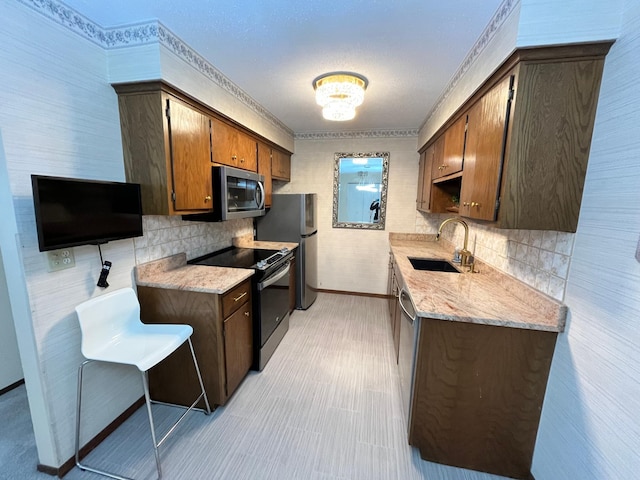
<point x="538" y="258"/>
<point x="165" y="236"/>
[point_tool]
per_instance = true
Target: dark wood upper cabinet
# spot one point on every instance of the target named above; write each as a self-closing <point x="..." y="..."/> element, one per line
<point x="280" y="165"/>
<point x="526" y="147"/>
<point x="233" y="147"/>
<point x="453" y="153"/>
<point x="264" y="168"/>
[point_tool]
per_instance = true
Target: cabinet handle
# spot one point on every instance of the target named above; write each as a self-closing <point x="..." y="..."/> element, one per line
<point x="207" y="198"/>
<point x="475" y="204"/>
<point x="242" y="160"/>
<point x="235" y="299"/>
<point x="234" y="157"/>
<point x="465" y="204"/>
<point x="246" y="314"/>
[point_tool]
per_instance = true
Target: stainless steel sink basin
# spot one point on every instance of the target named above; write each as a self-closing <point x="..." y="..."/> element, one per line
<point x="432" y="265"/>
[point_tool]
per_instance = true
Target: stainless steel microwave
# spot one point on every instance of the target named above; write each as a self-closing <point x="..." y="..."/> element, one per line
<point x="237" y="193"/>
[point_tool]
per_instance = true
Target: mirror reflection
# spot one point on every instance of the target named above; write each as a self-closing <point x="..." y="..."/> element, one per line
<point x="360" y="190"/>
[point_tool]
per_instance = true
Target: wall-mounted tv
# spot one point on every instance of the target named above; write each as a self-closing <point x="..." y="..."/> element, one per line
<point x="71" y="211"/>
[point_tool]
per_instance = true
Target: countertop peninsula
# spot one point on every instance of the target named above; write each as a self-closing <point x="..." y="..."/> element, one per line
<point x="487" y="297"/>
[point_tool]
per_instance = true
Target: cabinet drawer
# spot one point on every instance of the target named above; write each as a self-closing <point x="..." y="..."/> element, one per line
<point x="234" y="298"/>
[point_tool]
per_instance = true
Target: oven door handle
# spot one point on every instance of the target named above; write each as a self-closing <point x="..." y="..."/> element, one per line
<point x="275" y="277"/>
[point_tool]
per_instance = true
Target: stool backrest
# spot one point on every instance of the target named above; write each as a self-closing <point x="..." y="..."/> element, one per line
<point x="105" y="317"/>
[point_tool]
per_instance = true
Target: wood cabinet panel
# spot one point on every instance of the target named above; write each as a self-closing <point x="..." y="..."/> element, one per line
<point x="453" y="149"/>
<point x="483" y="159"/>
<point x="424" y="179"/>
<point x="238" y="345"/>
<point x="233" y="147"/>
<point x="235" y="298"/>
<point x="189" y="131"/>
<point x="280" y="165"/>
<point x="478" y="394"/>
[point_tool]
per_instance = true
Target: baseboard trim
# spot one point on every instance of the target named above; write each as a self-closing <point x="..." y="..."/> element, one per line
<point x="359" y="294"/>
<point x="11" y="387"/>
<point x="67" y="466"/>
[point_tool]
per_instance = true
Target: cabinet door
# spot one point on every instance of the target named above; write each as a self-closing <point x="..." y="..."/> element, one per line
<point x="238" y="346"/>
<point x="453" y="153"/>
<point x="487" y="129"/>
<point x="189" y="133"/>
<point x="264" y="168"/>
<point x="281" y="166"/>
<point x="232" y="147"/>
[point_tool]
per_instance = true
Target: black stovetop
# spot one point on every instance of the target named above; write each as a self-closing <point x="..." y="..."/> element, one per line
<point x="235" y="257"/>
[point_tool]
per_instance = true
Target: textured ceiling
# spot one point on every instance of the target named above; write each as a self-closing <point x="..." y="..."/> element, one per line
<point x="408" y="49"/>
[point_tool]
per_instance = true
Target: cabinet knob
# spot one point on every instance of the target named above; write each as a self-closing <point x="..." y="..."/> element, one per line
<point x="465" y="204"/>
<point x="246" y="314"/>
<point x="475" y="204"/>
<point x="242" y="160"/>
<point x="207" y="198"/>
<point x="234" y="157"/>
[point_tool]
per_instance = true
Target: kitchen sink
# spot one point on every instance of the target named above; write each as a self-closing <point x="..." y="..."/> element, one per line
<point x="433" y="265"/>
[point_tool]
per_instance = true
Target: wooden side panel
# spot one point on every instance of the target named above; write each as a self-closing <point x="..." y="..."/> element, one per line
<point x="238" y="346"/>
<point x="145" y="160"/>
<point x="550" y="138"/>
<point x="478" y="395"/>
<point x="191" y="157"/>
<point x="264" y="168"/>
<point x="175" y="380"/>
<point x="424" y="179"/>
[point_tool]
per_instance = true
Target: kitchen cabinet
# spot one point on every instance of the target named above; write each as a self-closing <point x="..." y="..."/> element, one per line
<point x="280" y="165"/>
<point x="231" y="146"/>
<point x="487" y="120"/>
<point x="264" y="168"/>
<point x="452" y="157"/>
<point x="529" y="134"/>
<point x="477" y="395"/>
<point x="222" y="340"/>
<point x="423" y="202"/>
<point x="167" y="150"/>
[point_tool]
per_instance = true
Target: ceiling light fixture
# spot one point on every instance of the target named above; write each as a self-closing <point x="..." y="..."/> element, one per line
<point x="339" y="93"/>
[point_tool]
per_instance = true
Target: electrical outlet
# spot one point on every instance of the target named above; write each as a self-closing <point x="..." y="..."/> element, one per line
<point x="60" y="259"/>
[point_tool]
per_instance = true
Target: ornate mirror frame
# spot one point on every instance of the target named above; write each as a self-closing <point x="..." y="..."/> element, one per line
<point x="384" y="181"/>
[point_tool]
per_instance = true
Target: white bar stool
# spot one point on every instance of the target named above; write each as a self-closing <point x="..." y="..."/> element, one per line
<point x="112" y="332"/>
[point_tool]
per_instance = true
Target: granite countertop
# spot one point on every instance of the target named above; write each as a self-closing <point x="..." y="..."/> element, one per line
<point x="247" y="241"/>
<point x="487" y="297"/>
<point x="174" y="273"/>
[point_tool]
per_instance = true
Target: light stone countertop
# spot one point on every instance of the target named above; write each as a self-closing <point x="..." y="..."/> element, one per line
<point x="174" y="273"/>
<point x="488" y="297"/>
<point x="247" y="241"/>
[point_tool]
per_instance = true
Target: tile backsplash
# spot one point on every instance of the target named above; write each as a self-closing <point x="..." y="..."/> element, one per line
<point x="164" y="236"/>
<point x="537" y="258"/>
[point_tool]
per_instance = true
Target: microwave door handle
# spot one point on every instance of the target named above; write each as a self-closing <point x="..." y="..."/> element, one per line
<point x="262" y="195"/>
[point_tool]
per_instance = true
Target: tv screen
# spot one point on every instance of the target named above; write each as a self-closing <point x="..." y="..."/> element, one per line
<point x="71" y="212"/>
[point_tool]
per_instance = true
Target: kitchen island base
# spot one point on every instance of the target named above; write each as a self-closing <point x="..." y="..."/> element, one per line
<point x="478" y="393"/>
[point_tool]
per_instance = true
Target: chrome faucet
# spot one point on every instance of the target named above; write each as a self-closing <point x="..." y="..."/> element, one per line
<point x="466" y="259"/>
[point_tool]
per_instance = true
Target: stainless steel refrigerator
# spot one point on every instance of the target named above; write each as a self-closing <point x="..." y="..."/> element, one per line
<point x="292" y="218"/>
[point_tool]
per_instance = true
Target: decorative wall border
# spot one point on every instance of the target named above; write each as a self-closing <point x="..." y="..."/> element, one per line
<point x="143" y="34"/>
<point x="503" y="12"/>
<point x="355" y="134"/>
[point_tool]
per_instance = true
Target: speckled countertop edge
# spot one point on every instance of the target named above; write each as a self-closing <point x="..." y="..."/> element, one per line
<point x="173" y="272"/>
<point x="489" y="297"/>
<point x="247" y="241"/>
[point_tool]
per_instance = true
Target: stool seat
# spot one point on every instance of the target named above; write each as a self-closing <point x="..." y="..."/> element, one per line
<point x="141" y="345"/>
<point x="113" y="332"/>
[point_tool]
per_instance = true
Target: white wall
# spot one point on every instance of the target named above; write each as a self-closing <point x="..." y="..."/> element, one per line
<point x="590" y="425"/>
<point x="355" y="260"/>
<point x="10" y="367"/>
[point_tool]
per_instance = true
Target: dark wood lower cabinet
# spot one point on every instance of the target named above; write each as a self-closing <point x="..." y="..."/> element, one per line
<point x="222" y="342"/>
<point x="478" y="395"/>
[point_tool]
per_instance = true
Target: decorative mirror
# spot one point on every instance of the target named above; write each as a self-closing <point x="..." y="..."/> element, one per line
<point x="360" y="190"/>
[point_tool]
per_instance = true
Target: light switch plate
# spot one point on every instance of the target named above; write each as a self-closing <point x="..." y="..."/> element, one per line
<point x="60" y="259"/>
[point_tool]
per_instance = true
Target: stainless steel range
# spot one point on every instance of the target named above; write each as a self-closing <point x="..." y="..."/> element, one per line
<point x="270" y="293"/>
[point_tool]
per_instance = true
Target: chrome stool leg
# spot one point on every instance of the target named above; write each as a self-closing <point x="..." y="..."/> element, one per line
<point x="203" y="394"/>
<point x="147" y="398"/>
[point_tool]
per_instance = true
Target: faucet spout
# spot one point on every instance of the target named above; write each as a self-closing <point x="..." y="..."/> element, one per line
<point x="465" y="254"/>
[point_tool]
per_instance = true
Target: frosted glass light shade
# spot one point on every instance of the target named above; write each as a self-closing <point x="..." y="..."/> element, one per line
<point x="339" y="94"/>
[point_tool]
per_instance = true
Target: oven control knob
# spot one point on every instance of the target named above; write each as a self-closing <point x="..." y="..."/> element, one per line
<point x="261" y="264"/>
<point x="284" y="250"/>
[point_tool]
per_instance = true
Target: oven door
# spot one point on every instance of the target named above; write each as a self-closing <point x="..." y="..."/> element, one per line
<point x="240" y="193"/>
<point x="274" y="301"/>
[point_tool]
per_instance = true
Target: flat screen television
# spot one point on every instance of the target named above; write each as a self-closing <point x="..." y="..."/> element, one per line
<point x="72" y="212"/>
